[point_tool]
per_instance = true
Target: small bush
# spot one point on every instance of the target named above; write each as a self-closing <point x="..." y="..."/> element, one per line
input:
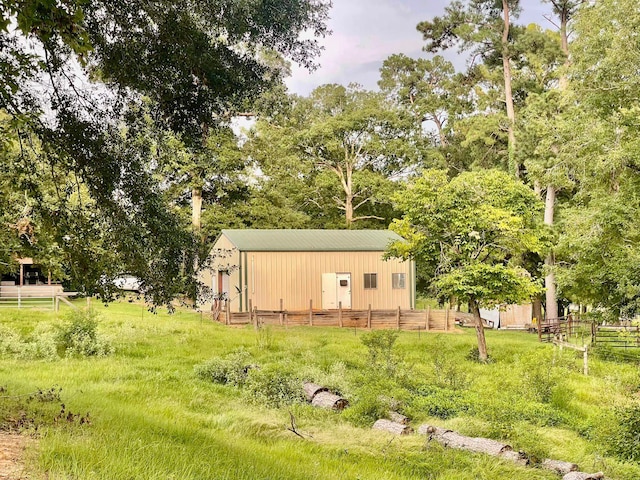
<point x="439" y="402"/>
<point x="366" y="408"/>
<point x="448" y="371"/>
<point x="79" y="336"/>
<point x="41" y="344"/>
<point x="624" y="439"/>
<point x="540" y="377"/>
<point x="380" y="346"/>
<point x="264" y="338"/>
<point x="334" y="376"/>
<point x="230" y="370"/>
<point x="273" y="387"/>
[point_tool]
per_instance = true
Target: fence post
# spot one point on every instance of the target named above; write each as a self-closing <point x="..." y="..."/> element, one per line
<point x="281" y="312"/>
<point x="227" y="306"/>
<point x="311" y="312"/>
<point x="340" y="314"/>
<point x="446" y="318"/>
<point x="255" y="324"/>
<point x="585" y="361"/>
<point x="398" y="318"/>
<point x="19" y="296"/>
<point x="369" y="317"/>
<point x="539" y="325"/>
<point x="593" y="333"/>
<point x="426" y="320"/>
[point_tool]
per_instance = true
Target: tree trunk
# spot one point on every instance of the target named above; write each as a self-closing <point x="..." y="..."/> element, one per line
<point x="564" y="45"/>
<point x="549" y="206"/>
<point x="482" y="342"/>
<point x="348" y="209"/>
<point x="196" y="206"/>
<point x="537" y="309"/>
<point x="506" y="68"/>
<point x="550" y="279"/>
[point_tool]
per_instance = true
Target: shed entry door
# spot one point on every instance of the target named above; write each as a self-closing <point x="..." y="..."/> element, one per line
<point x="336" y="288"/>
<point x="344" y="289"/>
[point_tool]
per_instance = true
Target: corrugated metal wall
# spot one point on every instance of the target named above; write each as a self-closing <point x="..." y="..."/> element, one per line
<point x="296" y="278"/>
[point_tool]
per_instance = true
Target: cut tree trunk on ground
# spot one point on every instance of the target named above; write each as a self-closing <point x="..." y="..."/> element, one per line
<point x="398" y="418"/>
<point x="479" y="445"/>
<point x="393" y="427"/>
<point x="583" y="476"/>
<point x="311" y="390"/>
<point x="451" y="439"/>
<point x="329" y="400"/>
<point x="558" y="466"/>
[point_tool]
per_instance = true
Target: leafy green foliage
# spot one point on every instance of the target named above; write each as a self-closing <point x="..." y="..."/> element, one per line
<point x="468" y="235"/>
<point x="624" y="442"/>
<point x="380" y="344"/>
<point x="274" y="386"/>
<point x="334" y="154"/>
<point x="230" y="370"/>
<point x="79" y="336"/>
<point x="40" y="344"/>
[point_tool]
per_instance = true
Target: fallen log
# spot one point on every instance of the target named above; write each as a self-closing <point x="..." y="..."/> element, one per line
<point x="558" y="466"/>
<point x="393" y="427"/>
<point x="329" y="400"/>
<point x="472" y="444"/>
<point x="311" y="390"/>
<point x="449" y="438"/>
<point x="583" y="476"/>
<point x="398" y="418"/>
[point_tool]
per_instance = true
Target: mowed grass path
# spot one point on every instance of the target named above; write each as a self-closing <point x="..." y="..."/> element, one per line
<point x="151" y="418"/>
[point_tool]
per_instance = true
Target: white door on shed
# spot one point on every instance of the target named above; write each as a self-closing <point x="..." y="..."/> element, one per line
<point x="329" y="291"/>
<point x="344" y="289"/>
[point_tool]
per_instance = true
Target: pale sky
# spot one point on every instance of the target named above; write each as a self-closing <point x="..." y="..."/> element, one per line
<point x="366" y="32"/>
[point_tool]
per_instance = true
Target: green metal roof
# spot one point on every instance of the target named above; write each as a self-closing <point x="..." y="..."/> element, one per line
<point x="311" y="240"/>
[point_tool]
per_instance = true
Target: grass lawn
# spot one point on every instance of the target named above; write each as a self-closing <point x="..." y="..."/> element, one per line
<point x="149" y="416"/>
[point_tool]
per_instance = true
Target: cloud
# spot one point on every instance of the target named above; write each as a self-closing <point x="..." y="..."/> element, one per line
<point x="365" y="32"/>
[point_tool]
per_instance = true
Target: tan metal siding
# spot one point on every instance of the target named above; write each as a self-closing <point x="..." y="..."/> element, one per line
<point x="296" y="278"/>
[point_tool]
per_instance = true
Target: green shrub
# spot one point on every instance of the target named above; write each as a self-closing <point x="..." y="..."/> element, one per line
<point x="41" y="344"/>
<point x="439" y="402"/>
<point x="366" y="407"/>
<point x="540" y="377"/>
<point x="334" y="376"/>
<point x="624" y="439"/>
<point x="273" y="386"/>
<point x="79" y="336"/>
<point x="231" y="369"/>
<point x="448" y="372"/>
<point x="264" y="338"/>
<point x="380" y="344"/>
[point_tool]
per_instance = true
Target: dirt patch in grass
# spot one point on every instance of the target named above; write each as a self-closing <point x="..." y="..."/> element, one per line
<point x="12" y="448"/>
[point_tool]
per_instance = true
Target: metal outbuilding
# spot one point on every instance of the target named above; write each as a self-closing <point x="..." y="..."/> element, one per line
<point x="321" y="268"/>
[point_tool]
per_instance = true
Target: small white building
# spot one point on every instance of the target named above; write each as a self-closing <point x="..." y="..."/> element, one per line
<point x="324" y="268"/>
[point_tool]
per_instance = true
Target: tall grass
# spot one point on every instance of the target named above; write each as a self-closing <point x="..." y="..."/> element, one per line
<point x="150" y="416"/>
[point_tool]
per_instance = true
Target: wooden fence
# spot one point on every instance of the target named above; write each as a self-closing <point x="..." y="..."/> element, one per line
<point x="419" y="320"/>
